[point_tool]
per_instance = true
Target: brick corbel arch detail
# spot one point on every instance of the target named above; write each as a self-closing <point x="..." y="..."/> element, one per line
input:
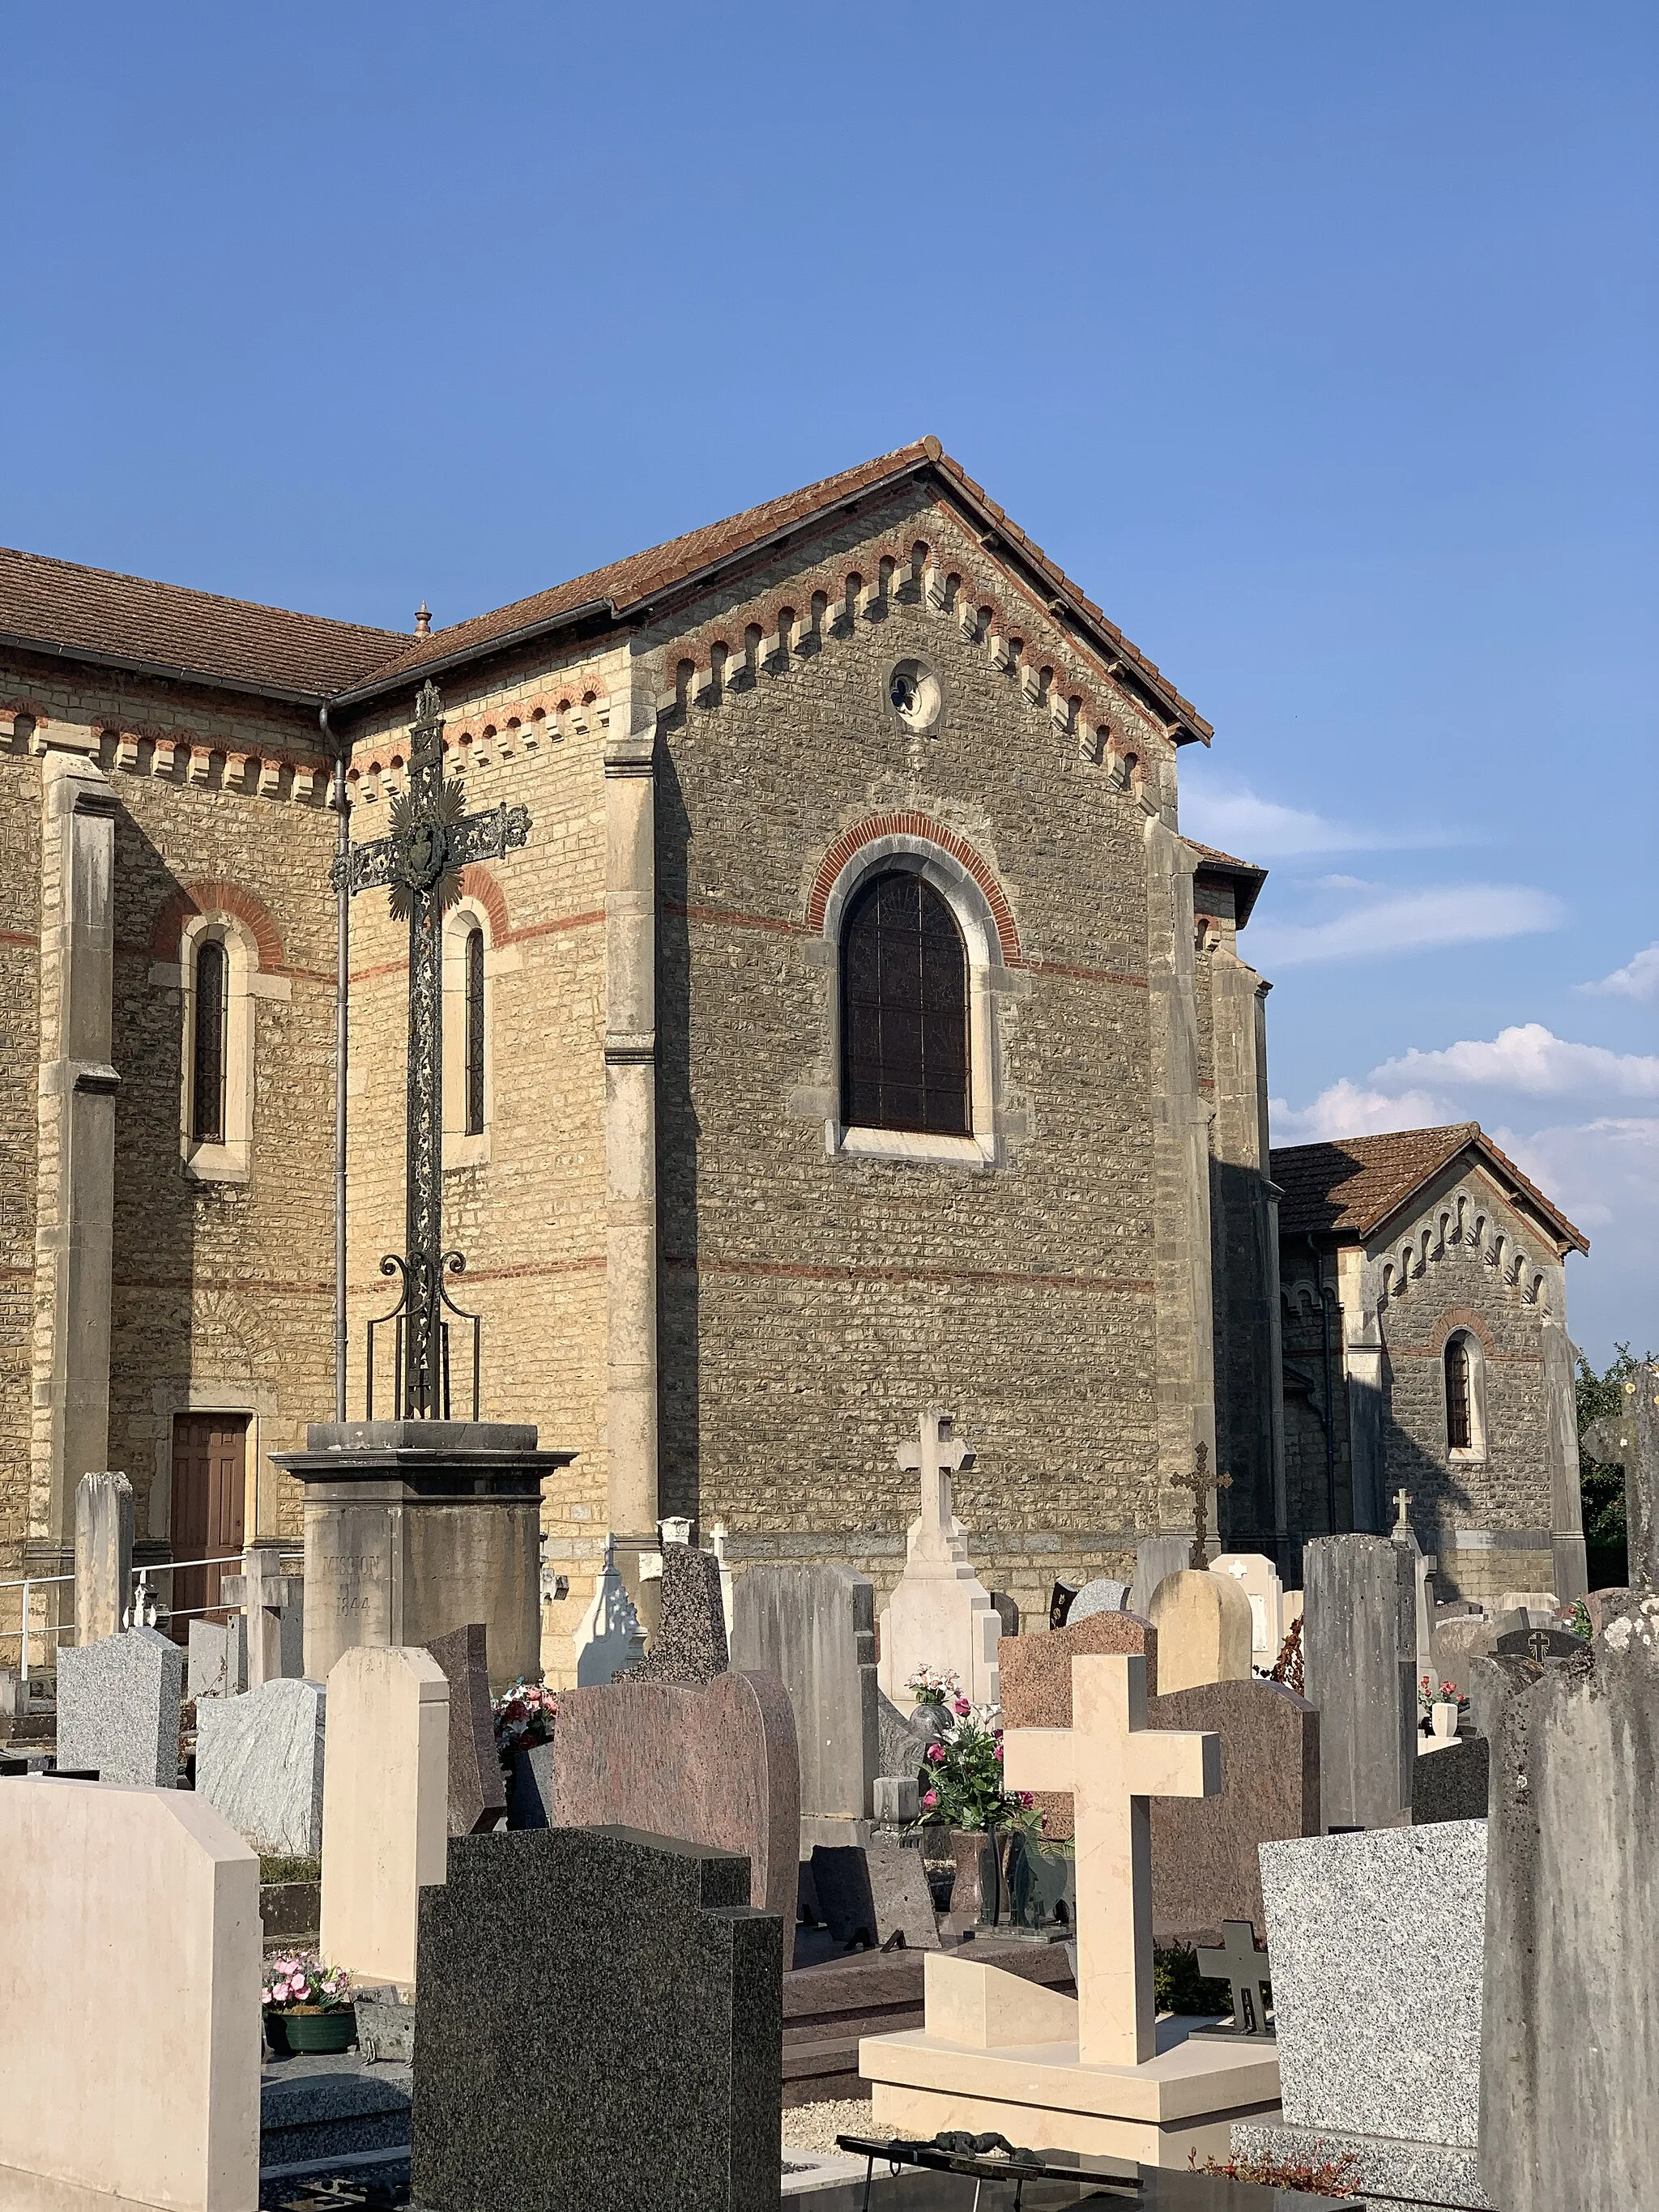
<point x="851" y="842"/>
<point x="1456" y="1317"/>
<point x="215" y="895"/>
<point x="477" y="883"/>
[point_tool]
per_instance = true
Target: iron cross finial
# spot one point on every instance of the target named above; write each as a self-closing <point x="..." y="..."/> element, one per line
<point x="1201" y="1482"/>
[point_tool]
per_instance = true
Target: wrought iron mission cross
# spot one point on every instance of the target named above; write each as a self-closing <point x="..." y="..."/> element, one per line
<point x="1201" y="1482"/>
<point x="420" y="862"/>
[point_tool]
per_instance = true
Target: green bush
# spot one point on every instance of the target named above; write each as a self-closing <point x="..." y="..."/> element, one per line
<point x="1177" y="1985"/>
<point x="280" y="1869"/>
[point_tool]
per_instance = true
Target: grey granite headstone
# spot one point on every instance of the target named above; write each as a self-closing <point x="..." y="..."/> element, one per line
<point x="874" y="1898"/>
<point x="478" y="1788"/>
<point x="1449" y="1783"/>
<point x="1376" y="1943"/>
<point x="118" y="1707"/>
<point x="632" y="1972"/>
<point x="1455" y="1640"/>
<point x="259" y="1762"/>
<point x="1006" y="1609"/>
<point x="1539" y="1643"/>
<point x="1101" y="1595"/>
<point x="1155" y="1557"/>
<point x="1359" y="1654"/>
<point x="1568" y="2108"/>
<point x="690" y="1645"/>
<point x="217" y="1658"/>
<point x="815" y="1627"/>
<point x="1640" y="1421"/>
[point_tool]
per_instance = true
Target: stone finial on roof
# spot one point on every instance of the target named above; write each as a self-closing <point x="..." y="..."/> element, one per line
<point x="423" y="620"/>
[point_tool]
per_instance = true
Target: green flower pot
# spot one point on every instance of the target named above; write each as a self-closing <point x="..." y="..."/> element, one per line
<point x="292" y="2033"/>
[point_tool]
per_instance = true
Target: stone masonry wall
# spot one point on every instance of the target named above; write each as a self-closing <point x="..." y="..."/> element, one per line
<point x="20" y="1021"/>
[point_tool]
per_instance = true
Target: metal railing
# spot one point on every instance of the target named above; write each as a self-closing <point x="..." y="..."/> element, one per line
<point x="144" y="1607"/>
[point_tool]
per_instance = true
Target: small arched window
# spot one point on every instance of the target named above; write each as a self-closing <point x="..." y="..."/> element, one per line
<point x="211" y="1026"/>
<point x="1460" y="1396"/>
<point x="904" y="1011"/>
<point x="474" y="1072"/>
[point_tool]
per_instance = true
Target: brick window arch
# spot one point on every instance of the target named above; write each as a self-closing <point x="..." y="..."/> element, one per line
<point x="905" y="1009"/>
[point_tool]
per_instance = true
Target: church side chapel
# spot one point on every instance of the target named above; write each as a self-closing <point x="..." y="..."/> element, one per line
<point x="836" y="1021"/>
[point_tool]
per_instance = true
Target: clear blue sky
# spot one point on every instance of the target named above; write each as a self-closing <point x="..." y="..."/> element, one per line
<point x="1317" y="343"/>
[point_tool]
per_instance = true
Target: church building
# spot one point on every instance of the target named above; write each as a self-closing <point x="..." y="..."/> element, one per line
<point x="853" y="1030"/>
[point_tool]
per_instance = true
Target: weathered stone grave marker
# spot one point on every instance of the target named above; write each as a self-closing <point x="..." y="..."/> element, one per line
<point x="940" y="1614"/>
<point x="259" y="1762"/>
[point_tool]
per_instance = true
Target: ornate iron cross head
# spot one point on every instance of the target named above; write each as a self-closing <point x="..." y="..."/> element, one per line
<point x="1201" y="1482"/>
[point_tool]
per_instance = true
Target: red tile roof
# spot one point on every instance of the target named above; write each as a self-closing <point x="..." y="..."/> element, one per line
<point x="58" y="606"/>
<point x="1349" y="1187"/>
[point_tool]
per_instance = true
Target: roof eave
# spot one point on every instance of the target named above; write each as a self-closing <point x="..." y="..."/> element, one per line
<point x="169" y="672"/>
<point x="1566" y="1236"/>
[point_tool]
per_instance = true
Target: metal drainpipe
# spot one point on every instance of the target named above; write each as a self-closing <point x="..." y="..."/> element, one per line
<point x="1330" y="1403"/>
<point x="342" y="1036"/>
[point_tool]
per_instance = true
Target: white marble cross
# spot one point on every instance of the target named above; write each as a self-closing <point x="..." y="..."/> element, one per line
<point x="1402" y="1499"/>
<point x="1112" y="1764"/>
<point x="936" y="1457"/>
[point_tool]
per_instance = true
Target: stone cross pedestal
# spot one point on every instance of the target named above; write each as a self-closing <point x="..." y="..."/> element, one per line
<point x="273" y="1603"/>
<point x="1113" y="1763"/>
<point x="939" y="1615"/>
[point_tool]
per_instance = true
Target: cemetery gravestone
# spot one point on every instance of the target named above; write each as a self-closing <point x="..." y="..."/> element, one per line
<point x="1451" y="1782"/>
<point x="1455" y="1640"/>
<point x="815" y="1629"/>
<point x="690" y="1646"/>
<point x="216" y="1658"/>
<point x="1539" y="1643"/>
<point x="385" y="1805"/>
<point x="1360" y="1661"/>
<point x="939" y="1615"/>
<point x="273" y="1612"/>
<point x="628" y="1970"/>
<point x="103" y="1555"/>
<point x="477" y="1789"/>
<point x="1203" y="1624"/>
<point x="1376" y="1942"/>
<point x="1037" y="1685"/>
<point x="259" y="1763"/>
<point x="1238" y="1961"/>
<point x="1157" y="1558"/>
<point x="118" y="1707"/>
<point x="716" y="1767"/>
<point x="874" y="1897"/>
<point x="114" y="1898"/>
<point x="1569" y="2120"/>
<point x="1256" y="1576"/>
<point x="1101" y="1595"/>
<point x="1207" y="1867"/>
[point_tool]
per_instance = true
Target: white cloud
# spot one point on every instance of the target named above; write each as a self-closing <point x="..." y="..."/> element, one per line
<point x="1530" y="1058"/>
<point x="1598" y="1172"/>
<point x="1344" y="884"/>
<point x="1411" y="922"/>
<point x="1638" y="979"/>
<point x="1233" y="818"/>
<point x="1348" y="1110"/>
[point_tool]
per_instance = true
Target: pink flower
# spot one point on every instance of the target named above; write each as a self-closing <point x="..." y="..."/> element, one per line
<point x="936" y="1754"/>
<point x="997" y="1754"/>
<point x="930" y="1797"/>
<point x="296" y="1985"/>
<point x="1028" y="1801"/>
<point x="962" y="1708"/>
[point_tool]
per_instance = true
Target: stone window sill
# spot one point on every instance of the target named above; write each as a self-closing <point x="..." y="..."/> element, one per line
<point x="461" y="1152"/>
<point x="911" y="1144"/>
<point x="1475" y="1456"/>
<point x="217" y="1164"/>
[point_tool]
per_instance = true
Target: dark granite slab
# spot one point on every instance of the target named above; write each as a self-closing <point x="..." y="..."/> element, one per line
<point x="600" y="2026"/>
<point x="690" y="1645"/>
<point x="477" y="1791"/>
<point x="1451" y="1785"/>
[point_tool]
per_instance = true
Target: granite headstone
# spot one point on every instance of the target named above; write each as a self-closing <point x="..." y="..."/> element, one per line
<point x="815" y="1628"/>
<point x="216" y="1658"/>
<point x="690" y="1646"/>
<point x="1156" y="1556"/>
<point x="477" y="1789"/>
<point x="715" y="1767"/>
<point x="1101" y="1595"/>
<point x="631" y="1973"/>
<point x="259" y="1763"/>
<point x="1376" y="1942"/>
<point x="118" y="1707"/>
<point x="1359" y="1658"/>
<point x="1451" y="1782"/>
<point x="874" y="1898"/>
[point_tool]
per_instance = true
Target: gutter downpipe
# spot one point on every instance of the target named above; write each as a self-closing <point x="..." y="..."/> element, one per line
<point x="341" y="806"/>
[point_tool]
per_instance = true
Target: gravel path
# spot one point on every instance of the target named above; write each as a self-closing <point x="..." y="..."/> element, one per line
<point x="814" y="2127"/>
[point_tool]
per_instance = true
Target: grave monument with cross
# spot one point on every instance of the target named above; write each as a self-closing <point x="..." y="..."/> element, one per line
<point x="939" y="1615"/>
<point x="1201" y="1482"/>
<point x="1423" y="1564"/>
<point x="419" y="1524"/>
<point x="1098" y="2073"/>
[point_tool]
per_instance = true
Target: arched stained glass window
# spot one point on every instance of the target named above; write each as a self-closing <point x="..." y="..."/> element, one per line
<point x="1460" y="1424"/>
<point x="475" y="1031"/>
<point x="903" y="1011"/>
<point x="207" y="1076"/>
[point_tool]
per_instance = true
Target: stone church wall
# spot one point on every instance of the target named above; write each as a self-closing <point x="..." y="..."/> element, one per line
<point x="812" y="1304"/>
<point x="20" y="1021"/>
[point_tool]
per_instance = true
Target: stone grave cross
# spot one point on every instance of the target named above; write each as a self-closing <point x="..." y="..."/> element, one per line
<point x="268" y="1597"/>
<point x="420" y="863"/>
<point x="1402" y="1499"/>
<point x="1201" y="1483"/>
<point x="936" y="1456"/>
<point x="1112" y="1764"/>
<point x="1235" y="1959"/>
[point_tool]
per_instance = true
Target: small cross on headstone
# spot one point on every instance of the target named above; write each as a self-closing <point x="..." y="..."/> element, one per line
<point x="1238" y="1961"/>
<point x="936" y="1457"/>
<point x="265" y="1595"/>
<point x="1113" y="1764"/>
<point x="1200" y="1483"/>
<point x="1402" y="1499"/>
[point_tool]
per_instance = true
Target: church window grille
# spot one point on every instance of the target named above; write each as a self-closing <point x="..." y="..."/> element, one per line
<point x="475" y="1031"/>
<point x="904" y="1011"/>
<point x="207" y="1121"/>
<point x="1460" y="1425"/>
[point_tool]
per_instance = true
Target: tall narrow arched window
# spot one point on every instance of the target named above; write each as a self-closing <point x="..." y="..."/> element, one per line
<point x="475" y="1031"/>
<point x="904" y="1011"/>
<point x="208" y="1059"/>
<point x="1460" y="1396"/>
